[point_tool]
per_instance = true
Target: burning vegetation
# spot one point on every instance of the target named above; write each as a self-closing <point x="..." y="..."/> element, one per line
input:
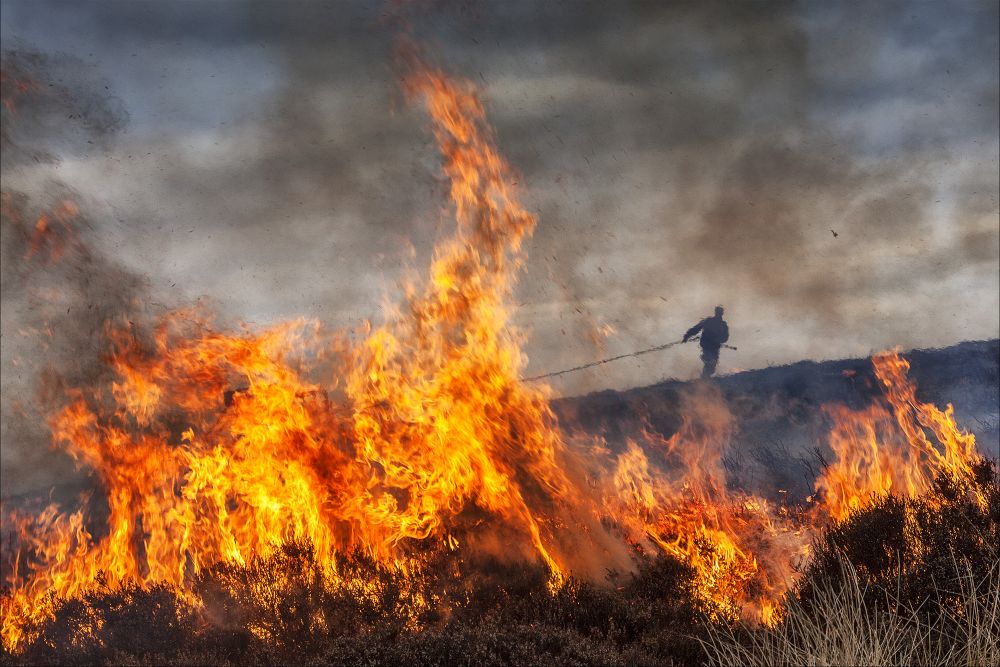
<point x="268" y="485"/>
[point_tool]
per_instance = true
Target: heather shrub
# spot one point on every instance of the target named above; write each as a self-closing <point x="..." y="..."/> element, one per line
<point x="910" y="549"/>
<point x="841" y="626"/>
<point x="144" y="623"/>
<point x="290" y="609"/>
<point x="901" y="582"/>
<point x="491" y="644"/>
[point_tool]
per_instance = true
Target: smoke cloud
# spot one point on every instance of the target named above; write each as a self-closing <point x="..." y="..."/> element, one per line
<point x="59" y="288"/>
<point x="826" y="172"/>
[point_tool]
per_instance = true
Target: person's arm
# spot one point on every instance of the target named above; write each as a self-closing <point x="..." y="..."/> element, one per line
<point x="725" y="332"/>
<point x="693" y="331"/>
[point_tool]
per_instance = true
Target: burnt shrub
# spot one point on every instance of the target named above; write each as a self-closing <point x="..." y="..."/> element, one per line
<point x="906" y="549"/>
<point x="651" y="612"/>
<point x="288" y="608"/>
<point x="490" y="643"/>
<point x="96" y="628"/>
<point x="501" y="613"/>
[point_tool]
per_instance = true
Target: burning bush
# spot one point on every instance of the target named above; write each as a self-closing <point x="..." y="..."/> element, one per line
<point x="290" y="608"/>
<point x="911" y="550"/>
<point x="905" y="581"/>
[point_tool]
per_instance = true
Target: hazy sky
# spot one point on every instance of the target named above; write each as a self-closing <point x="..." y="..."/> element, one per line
<point x="678" y="155"/>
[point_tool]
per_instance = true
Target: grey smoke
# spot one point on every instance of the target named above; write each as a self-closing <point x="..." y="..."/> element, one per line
<point x="60" y="289"/>
<point x="678" y="155"/>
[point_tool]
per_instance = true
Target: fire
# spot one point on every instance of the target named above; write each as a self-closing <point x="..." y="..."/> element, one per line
<point x="885" y="449"/>
<point x="438" y="406"/>
<point x="54" y="232"/>
<point x="743" y="549"/>
<point x="747" y="553"/>
<point x="214" y="445"/>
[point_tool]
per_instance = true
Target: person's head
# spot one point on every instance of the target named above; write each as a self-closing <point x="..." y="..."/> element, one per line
<point x="718" y="311"/>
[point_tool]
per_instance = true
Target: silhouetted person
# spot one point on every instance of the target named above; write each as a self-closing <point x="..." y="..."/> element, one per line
<point x="714" y="332"/>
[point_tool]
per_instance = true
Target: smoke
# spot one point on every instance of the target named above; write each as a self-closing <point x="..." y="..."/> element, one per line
<point x="765" y="172"/>
<point x="54" y="104"/>
<point x="59" y="288"/>
<point x="678" y="155"/>
<point x="826" y="172"/>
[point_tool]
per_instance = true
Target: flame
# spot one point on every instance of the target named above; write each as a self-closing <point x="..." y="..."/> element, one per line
<point x="54" y="232"/>
<point x="214" y="445"/>
<point x="743" y="550"/>
<point x="438" y="404"/>
<point x="885" y="449"/>
<point x="598" y="334"/>
<point x="746" y="553"/>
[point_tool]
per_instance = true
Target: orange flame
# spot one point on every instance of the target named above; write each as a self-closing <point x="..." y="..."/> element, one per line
<point x="54" y="232"/>
<point x="885" y="449"/>
<point x="743" y="550"/>
<point x="214" y="446"/>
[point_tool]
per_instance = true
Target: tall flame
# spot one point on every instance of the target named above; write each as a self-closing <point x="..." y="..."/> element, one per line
<point x="214" y="446"/>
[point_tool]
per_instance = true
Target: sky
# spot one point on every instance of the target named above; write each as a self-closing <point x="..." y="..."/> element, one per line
<point x="827" y="171"/>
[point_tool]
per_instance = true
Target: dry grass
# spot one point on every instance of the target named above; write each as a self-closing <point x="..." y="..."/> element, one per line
<point x="841" y="628"/>
<point x="977" y="624"/>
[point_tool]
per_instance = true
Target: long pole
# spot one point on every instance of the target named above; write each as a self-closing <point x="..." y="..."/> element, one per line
<point x="620" y="356"/>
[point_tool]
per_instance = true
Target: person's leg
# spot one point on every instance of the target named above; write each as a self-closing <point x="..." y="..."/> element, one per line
<point x="711" y="359"/>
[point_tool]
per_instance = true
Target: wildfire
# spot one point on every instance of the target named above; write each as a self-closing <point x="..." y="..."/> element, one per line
<point x="743" y="550"/>
<point x="217" y="446"/>
<point x="885" y="448"/>
<point x="54" y="233"/>
<point x="212" y="446"/>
